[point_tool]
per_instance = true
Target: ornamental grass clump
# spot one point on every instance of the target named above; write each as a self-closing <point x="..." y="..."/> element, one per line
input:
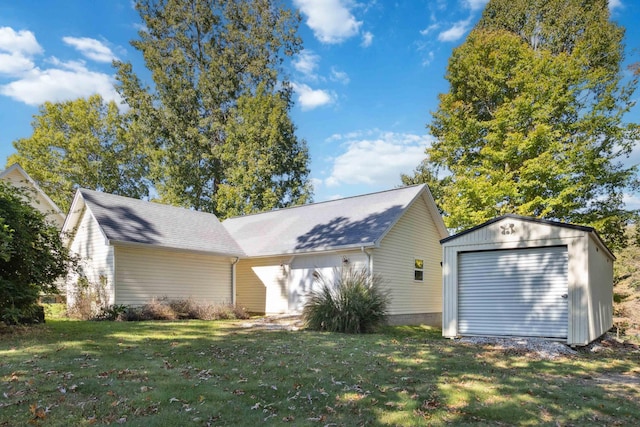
<point x="351" y="301"/>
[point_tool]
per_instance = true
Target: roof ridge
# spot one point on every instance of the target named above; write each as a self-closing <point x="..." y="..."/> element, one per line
<point x="149" y="202"/>
<point x="326" y="201"/>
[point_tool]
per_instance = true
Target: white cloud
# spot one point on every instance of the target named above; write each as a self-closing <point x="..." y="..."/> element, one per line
<point x="57" y="81"/>
<point x="66" y="81"/>
<point x="475" y="4"/>
<point x="455" y="32"/>
<point x="307" y="62"/>
<point x="312" y="98"/>
<point x="429" y="29"/>
<point x="367" y="39"/>
<point x="615" y="4"/>
<point x="14" y="63"/>
<point x="339" y="76"/>
<point x="17" y="48"/>
<point x="21" y="42"/>
<point x="377" y="161"/>
<point x="91" y="48"/>
<point x="330" y="20"/>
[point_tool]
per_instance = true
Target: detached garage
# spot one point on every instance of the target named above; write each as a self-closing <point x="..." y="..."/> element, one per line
<point x="526" y="277"/>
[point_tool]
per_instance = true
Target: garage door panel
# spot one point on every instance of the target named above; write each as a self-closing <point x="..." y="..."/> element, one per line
<point x="516" y="292"/>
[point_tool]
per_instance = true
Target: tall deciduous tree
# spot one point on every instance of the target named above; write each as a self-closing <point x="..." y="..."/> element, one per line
<point x="83" y="143"/>
<point x="533" y="121"/>
<point x="211" y="62"/>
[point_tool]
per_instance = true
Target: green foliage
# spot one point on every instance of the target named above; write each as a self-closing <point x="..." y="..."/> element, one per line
<point x="351" y="301"/>
<point x="533" y="121"/>
<point x="33" y="256"/>
<point x="266" y="166"/>
<point x="211" y="62"/>
<point x="83" y="143"/>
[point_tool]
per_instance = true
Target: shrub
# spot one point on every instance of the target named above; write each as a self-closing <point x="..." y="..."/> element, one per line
<point x="89" y="299"/>
<point x="111" y="312"/>
<point x="32" y="257"/>
<point x="352" y="301"/>
<point x="165" y="309"/>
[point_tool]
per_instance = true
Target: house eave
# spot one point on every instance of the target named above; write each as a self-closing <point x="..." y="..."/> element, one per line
<point x="175" y="249"/>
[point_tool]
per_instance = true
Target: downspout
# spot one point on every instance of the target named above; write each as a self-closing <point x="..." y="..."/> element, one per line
<point x="233" y="281"/>
<point x="369" y="260"/>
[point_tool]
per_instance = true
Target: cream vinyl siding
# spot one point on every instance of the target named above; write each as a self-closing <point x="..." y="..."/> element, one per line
<point x="303" y="268"/>
<point x="146" y="273"/>
<point x="414" y="236"/>
<point x="96" y="256"/>
<point x="600" y="290"/>
<point x="261" y="285"/>
<point x="277" y="285"/>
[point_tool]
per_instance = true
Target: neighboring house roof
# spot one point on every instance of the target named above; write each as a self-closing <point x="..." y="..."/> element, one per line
<point x="131" y="221"/>
<point x="584" y="228"/>
<point x="15" y="175"/>
<point x="353" y="222"/>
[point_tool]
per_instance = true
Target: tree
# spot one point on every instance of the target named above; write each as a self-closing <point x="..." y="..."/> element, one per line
<point x="533" y="121"/>
<point x="264" y="163"/>
<point x="32" y="255"/>
<point x="83" y="143"/>
<point x="209" y="60"/>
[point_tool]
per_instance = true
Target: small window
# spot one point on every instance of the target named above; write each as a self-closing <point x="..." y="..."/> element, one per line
<point x="418" y="272"/>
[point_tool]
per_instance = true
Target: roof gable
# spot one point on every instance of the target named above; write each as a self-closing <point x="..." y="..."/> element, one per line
<point x="545" y="222"/>
<point x="360" y="221"/>
<point x="131" y="221"/>
<point x="15" y="175"/>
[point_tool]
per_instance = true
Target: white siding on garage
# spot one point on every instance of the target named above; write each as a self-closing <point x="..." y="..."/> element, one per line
<point x="146" y="273"/>
<point x="414" y="236"/>
<point x="96" y="256"/>
<point x="521" y="292"/>
<point x="303" y="268"/>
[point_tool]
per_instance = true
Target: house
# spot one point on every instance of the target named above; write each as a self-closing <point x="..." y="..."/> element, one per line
<point x="141" y="250"/>
<point x="520" y="276"/>
<point x="265" y="262"/>
<point x="393" y="233"/>
<point x="17" y="177"/>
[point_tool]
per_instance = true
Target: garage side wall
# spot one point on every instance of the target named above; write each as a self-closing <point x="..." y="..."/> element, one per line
<point x="96" y="258"/>
<point x="414" y="236"/>
<point x="145" y="273"/>
<point x="600" y="291"/>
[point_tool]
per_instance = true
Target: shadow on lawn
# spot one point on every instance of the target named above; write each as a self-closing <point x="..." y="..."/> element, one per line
<point x="401" y="376"/>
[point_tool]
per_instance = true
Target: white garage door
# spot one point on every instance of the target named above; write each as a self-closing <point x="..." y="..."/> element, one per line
<point x="520" y="292"/>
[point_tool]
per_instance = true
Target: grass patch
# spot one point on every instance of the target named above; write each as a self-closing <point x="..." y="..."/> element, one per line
<point x="217" y="373"/>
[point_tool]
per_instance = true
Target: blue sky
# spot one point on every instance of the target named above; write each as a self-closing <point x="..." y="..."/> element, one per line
<point x="366" y="82"/>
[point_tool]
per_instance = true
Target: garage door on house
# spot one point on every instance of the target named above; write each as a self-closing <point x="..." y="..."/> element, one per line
<point x="516" y="292"/>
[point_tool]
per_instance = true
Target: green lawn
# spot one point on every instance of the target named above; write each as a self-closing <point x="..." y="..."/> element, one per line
<point x="218" y="373"/>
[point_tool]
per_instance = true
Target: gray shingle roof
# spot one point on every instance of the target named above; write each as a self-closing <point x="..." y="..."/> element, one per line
<point x="339" y="224"/>
<point x="127" y="220"/>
